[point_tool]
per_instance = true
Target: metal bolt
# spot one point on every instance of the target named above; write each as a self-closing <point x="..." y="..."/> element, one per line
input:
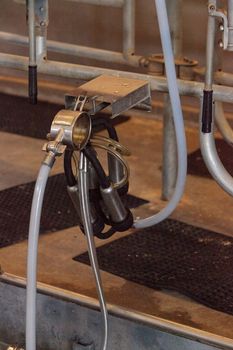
<point x="212" y="8"/>
<point x="41" y="8"/>
<point x="42" y="24"/>
<point x="221" y="27"/>
<point x="220" y="43"/>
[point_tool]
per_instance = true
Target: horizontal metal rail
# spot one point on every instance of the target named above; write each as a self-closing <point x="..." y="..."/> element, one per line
<point x="77" y="50"/>
<point x="68" y="70"/>
<point x="113" y="3"/>
<point x="152" y="321"/>
<point x="220" y="77"/>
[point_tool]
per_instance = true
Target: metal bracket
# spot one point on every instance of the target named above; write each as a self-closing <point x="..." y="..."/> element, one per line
<point x="156" y="64"/>
<point x="224" y="25"/>
<point x="120" y="94"/>
<point x="41" y="13"/>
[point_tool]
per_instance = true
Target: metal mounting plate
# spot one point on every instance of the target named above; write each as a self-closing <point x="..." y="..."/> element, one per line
<point x="121" y="93"/>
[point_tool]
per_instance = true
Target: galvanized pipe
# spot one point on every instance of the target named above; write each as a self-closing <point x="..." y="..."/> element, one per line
<point x="31" y="32"/>
<point x="214" y="164"/>
<point x="222" y="123"/>
<point x="113" y="3"/>
<point x="219" y="117"/>
<point x="169" y="169"/>
<point x="223" y="78"/>
<point x="128" y="28"/>
<point x="210" y="49"/>
<point x="230" y="24"/>
<point x="68" y="70"/>
<point x="77" y="50"/>
<point x="207" y="142"/>
<point x="32" y="67"/>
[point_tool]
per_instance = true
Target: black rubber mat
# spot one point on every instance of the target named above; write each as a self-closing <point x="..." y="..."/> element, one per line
<point x="58" y="212"/>
<point x="19" y="117"/>
<point x="175" y="256"/>
<point x="196" y="165"/>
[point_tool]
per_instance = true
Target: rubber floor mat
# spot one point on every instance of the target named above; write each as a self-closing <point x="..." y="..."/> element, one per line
<point x="196" y="165"/>
<point x="18" y="116"/>
<point x="175" y="256"/>
<point x="57" y="214"/>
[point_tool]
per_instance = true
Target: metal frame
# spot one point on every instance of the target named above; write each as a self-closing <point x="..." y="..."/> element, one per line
<point x="190" y="88"/>
<point x="64" y="316"/>
<point x="127" y="55"/>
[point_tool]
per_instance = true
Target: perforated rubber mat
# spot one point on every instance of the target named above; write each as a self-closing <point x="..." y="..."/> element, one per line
<point x="57" y="214"/>
<point x="196" y="165"/>
<point x="18" y="116"/>
<point x="175" y="256"/>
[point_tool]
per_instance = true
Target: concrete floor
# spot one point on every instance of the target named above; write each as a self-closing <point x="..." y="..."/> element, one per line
<point x="200" y="206"/>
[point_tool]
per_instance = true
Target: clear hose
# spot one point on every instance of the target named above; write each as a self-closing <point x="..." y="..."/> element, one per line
<point x="33" y="237"/>
<point x="178" y="120"/>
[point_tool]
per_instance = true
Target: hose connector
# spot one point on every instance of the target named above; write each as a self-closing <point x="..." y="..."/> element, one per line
<point x="121" y="218"/>
<point x="75" y="126"/>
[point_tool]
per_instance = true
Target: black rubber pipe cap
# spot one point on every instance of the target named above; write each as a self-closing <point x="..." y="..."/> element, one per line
<point x="32" y="84"/>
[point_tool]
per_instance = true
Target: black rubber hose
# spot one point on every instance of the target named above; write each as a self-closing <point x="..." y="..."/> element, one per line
<point x="70" y="178"/>
<point x="109" y="127"/>
<point x="91" y="156"/>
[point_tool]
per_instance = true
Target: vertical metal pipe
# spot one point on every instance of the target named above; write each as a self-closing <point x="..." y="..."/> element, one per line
<point x="210" y="47"/>
<point x="32" y="32"/>
<point x="42" y="20"/>
<point x="174" y="9"/>
<point x="230" y="24"/>
<point x="128" y="28"/>
<point x="32" y="69"/>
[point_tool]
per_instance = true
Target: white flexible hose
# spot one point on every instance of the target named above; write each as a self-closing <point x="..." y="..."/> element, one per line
<point x="34" y="228"/>
<point x="178" y="120"/>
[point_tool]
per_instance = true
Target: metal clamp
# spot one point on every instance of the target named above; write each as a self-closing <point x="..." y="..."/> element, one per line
<point x="212" y="10"/>
<point x="75" y="126"/>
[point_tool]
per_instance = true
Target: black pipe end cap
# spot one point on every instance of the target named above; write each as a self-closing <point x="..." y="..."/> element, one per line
<point x="32" y="84"/>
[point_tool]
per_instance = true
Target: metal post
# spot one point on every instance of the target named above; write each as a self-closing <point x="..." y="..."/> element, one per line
<point x="174" y="8"/>
<point x="32" y="67"/>
<point x="128" y="28"/>
<point x="31" y="33"/>
<point x="219" y="117"/>
<point x="230" y="24"/>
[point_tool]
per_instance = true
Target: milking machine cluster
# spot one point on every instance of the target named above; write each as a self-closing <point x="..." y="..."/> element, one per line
<point x="96" y="195"/>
